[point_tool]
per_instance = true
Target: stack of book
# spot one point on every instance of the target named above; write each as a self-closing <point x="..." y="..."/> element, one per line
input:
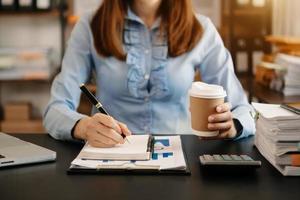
<point x="270" y="75"/>
<point x="278" y="137"/>
<point x="291" y="78"/>
<point x="27" y="63"/>
<point x="282" y="76"/>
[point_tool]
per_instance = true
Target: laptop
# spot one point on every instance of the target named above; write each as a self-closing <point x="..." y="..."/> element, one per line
<point x="14" y="151"/>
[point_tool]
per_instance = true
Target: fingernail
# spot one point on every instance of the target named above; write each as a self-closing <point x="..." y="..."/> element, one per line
<point x="219" y="109"/>
<point x="211" y="118"/>
<point x="118" y="128"/>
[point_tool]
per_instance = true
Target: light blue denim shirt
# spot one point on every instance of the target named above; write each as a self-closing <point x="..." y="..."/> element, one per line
<point x="148" y="91"/>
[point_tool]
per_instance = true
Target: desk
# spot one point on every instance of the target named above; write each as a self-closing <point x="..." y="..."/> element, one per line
<point x="50" y="181"/>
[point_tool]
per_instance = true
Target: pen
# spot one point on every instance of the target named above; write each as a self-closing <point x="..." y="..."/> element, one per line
<point x="97" y="104"/>
<point x="290" y="108"/>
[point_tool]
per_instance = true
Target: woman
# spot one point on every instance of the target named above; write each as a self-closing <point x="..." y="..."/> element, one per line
<point x="144" y="54"/>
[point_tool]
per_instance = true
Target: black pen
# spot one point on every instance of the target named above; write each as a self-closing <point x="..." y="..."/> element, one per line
<point x="291" y="108"/>
<point x="97" y="104"/>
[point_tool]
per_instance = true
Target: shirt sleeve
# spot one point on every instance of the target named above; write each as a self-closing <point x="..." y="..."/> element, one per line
<point x="60" y="115"/>
<point x="217" y="68"/>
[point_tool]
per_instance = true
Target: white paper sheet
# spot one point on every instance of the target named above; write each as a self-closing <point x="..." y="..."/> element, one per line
<point x="274" y="112"/>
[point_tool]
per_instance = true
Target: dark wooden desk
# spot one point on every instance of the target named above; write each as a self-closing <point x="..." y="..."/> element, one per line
<point x="50" y="181"/>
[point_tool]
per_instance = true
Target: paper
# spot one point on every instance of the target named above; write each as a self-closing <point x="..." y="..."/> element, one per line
<point x="284" y="169"/>
<point x="274" y="111"/>
<point x="167" y="154"/>
<point x="277" y="134"/>
<point x="138" y="144"/>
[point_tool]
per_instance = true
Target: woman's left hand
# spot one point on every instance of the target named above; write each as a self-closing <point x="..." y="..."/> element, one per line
<point x="222" y="121"/>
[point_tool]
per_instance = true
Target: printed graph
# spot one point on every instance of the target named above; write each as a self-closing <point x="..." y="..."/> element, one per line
<point x="156" y="156"/>
<point x="164" y="142"/>
<point x="161" y="145"/>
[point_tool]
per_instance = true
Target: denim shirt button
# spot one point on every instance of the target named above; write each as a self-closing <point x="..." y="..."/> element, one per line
<point x="147" y="76"/>
<point x="147" y="51"/>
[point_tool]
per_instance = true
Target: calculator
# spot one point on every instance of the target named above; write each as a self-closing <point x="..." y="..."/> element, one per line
<point x="229" y="160"/>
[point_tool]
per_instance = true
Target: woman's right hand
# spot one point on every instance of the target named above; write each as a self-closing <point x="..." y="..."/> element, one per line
<point x="101" y="131"/>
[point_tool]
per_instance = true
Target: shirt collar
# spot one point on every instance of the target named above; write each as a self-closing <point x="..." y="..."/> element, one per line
<point x="133" y="17"/>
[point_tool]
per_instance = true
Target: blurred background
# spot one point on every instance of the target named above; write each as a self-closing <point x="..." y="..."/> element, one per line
<point x="263" y="37"/>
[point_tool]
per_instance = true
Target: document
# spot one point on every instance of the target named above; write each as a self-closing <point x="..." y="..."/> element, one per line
<point x="274" y="112"/>
<point x="167" y="155"/>
<point x="278" y="137"/>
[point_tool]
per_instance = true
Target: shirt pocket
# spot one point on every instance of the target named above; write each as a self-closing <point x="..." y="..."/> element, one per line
<point x="131" y="37"/>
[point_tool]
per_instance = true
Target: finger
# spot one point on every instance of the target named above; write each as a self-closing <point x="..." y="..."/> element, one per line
<point x="124" y="129"/>
<point x="105" y="139"/>
<point x="107" y="121"/>
<point x="97" y="143"/>
<point x="96" y="139"/>
<point x="227" y="134"/>
<point x="221" y="117"/>
<point x="110" y="133"/>
<point x="219" y="126"/>
<point x="224" y="135"/>
<point x="223" y="107"/>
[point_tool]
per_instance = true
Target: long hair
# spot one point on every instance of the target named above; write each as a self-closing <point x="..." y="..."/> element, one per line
<point x="178" y="20"/>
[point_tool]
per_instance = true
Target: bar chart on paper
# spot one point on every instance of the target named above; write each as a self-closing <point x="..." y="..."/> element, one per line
<point x="161" y="147"/>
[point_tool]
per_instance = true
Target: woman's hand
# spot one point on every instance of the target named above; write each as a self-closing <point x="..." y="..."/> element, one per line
<point x="101" y="130"/>
<point x="222" y="121"/>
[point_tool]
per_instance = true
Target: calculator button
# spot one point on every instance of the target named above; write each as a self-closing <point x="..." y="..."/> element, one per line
<point x="217" y="157"/>
<point x="226" y="157"/>
<point x="245" y="157"/>
<point x="236" y="158"/>
<point x="208" y="157"/>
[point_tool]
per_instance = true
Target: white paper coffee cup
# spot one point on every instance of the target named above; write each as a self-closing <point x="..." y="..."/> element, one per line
<point x="204" y="98"/>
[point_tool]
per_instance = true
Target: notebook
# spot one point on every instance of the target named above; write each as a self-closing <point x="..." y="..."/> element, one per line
<point x="139" y="147"/>
<point x="167" y="158"/>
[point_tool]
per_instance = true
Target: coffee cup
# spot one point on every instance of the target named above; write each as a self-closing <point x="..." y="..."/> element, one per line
<point x="204" y="98"/>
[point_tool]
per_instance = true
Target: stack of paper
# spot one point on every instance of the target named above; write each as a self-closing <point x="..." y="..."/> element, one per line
<point x="278" y="137"/>
<point x="291" y="78"/>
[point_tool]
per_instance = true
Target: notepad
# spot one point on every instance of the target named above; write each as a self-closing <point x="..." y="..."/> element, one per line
<point x="139" y="148"/>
